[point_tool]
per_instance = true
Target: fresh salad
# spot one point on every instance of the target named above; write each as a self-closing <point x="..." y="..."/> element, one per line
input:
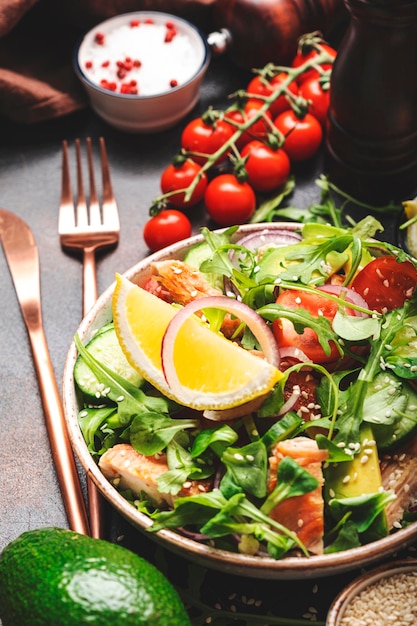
<point x="325" y="460"/>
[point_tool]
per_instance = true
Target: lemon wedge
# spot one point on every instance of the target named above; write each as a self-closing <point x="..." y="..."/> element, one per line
<point x="215" y="373"/>
<point x="410" y="209"/>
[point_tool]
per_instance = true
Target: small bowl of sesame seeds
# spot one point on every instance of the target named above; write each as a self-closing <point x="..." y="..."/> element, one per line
<point x="382" y="596"/>
<point x="142" y="71"/>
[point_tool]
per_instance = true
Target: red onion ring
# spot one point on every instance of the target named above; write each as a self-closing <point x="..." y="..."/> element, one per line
<point x="266" y="238"/>
<point x="350" y="296"/>
<point x="253" y="320"/>
<point x="292" y="352"/>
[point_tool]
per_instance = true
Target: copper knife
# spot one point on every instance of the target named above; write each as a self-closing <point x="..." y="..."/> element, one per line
<point x="23" y="260"/>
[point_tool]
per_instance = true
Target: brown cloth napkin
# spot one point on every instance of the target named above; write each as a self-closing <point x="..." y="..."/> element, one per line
<point x="37" y="39"/>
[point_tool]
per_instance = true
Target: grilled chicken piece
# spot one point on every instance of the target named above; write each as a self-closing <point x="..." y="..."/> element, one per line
<point x="399" y="474"/>
<point x="176" y="281"/>
<point x="304" y="514"/>
<point x="127" y="469"/>
<point x="179" y="282"/>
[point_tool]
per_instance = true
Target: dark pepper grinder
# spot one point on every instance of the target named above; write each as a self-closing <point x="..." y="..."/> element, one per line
<point x="267" y="31"/>
<point x="371" y="139"/>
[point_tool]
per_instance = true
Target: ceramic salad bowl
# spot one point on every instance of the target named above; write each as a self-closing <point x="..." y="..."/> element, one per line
<point x="288" y="567"/>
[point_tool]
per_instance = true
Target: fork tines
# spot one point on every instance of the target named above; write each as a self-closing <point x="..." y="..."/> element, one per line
<point x="82" y="217"/>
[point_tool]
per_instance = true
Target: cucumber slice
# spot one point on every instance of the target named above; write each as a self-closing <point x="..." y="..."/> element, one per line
<point x="105" y="348"/>
<point x="197" y="254"/>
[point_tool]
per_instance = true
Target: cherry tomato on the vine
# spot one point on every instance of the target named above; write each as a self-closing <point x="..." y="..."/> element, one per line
<point x="201" y="137"/>
<point x="229" y="201"/>
<point x="260" y="86"/>
<point x="312" y="90"/>
<point x="257" y="130"/>
<point x="303" y="135"/>
<point x="165" y="228"/>
<point x="177" y="177"/>
<point x="267" y="169"/>
<point x="260" y="128"/>
<point x="302" y="57"/>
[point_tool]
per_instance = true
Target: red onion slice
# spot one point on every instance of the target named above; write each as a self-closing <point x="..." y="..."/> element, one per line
<point x="253" y="320"/>
<point x="350" y="296"/>
<point x="266" y="238"/>
<point x="269" y="238"/>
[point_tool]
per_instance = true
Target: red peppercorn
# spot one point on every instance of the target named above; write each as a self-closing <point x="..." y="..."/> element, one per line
<point x="170" y="34"/>
<point x="99" y="38"/>
<point x="88" y="64"/>
<point x="105" y="64"/>
<point x="173" y="82"/>
<point x="170" y="25"/>
<point x="121" y="73"/>
<point x="149" y="21"/>
<point x="134" y="23"/>
<point x="137" y="63"/>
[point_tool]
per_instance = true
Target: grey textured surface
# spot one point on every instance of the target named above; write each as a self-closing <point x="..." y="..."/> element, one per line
<point x="30" y="180"/>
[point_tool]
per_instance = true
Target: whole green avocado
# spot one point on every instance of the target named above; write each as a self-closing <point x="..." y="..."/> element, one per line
<point x="57" y="577"/>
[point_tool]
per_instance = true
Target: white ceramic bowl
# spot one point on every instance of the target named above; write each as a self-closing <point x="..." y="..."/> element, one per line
<point x="382" y="604"/>
<point x="158" y="65"/>
<point x="241" y="564"/>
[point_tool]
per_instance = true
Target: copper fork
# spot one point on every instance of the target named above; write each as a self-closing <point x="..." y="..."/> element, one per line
<point x="85" y="227"/>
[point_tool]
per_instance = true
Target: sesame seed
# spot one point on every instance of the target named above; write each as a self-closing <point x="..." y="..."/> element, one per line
<point x="390" y="600"/>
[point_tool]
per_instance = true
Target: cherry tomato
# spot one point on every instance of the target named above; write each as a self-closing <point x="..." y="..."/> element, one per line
<point x="260" y="86"/>
<point x="307" y="341"/>
<point x="258" y="130"/>
<point x="312" y="89"/>
<point x="177" y="177"/>
<point x="200" y="137"/>
<point x="267" y="169"/>
<point x="229" y="201"/>
<point x="302" y="57"/>
<point x="386" y="283"/>
<point x="303" y="135"/>
<point x="165" y="228"/>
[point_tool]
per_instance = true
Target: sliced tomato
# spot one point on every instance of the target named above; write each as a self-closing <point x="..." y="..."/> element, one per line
<point x="386" y="283"/>
<point x="308" y="342"/>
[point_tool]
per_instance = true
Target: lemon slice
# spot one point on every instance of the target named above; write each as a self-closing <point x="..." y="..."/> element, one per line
<point x="215" y="373"/>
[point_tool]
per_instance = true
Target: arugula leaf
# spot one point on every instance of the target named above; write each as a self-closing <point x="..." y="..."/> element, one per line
<point x="302" y="319"/>
<point x="267" y="210"/>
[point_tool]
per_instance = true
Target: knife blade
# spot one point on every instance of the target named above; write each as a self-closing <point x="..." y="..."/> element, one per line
<point x="22" y="257"/>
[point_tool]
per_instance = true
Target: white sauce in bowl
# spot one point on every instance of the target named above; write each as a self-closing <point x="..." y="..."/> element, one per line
<point x="141" y="55"/>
